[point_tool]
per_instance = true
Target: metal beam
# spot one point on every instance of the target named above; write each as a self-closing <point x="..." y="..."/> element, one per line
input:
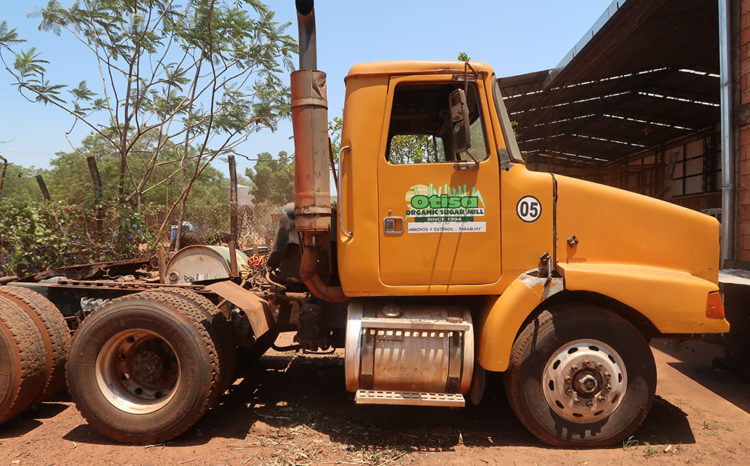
<point x="727" y="131"/>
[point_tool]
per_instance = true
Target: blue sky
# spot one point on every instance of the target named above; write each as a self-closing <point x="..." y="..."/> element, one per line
<point x="514" y="37"/>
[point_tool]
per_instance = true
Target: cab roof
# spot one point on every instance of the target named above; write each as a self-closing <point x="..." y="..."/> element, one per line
<point x="415" y="67"/>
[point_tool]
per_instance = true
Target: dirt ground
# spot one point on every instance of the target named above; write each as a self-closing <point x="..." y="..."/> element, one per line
<point x="292" y="409"/>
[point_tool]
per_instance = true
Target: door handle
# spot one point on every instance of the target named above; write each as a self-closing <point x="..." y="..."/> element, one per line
<point x="393" y="225"/>
<point x="348" y="234"/>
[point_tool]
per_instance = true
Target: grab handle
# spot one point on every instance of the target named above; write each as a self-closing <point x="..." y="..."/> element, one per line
<point x="348" y="234"/>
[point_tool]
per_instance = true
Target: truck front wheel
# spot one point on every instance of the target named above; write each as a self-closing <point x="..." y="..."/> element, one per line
<point x="142" y="370"/>
<point x="581" y="376"/>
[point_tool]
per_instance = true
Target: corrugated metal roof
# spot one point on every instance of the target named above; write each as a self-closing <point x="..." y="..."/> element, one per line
<point x="646" y="73"/>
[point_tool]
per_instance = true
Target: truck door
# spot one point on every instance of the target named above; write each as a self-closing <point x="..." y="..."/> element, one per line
<point x="439" y="210"/>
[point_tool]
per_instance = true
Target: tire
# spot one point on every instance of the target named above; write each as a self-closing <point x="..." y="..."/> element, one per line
<point x="54" y="332"/>
<point x="22" y="371"/>
<point x="143" y="368"/>
<point x="205" y="319"/>
<point x="580" y="376"/>
<point x="220" y="326"/>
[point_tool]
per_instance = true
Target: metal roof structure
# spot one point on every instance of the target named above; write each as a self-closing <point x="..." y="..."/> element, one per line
<point x="645" y="74"/>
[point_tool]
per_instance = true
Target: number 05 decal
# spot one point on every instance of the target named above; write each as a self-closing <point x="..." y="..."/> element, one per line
<point x="529" y="208"/>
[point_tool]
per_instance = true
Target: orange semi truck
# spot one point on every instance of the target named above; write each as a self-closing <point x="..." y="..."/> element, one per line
<point x="443" y="258"/>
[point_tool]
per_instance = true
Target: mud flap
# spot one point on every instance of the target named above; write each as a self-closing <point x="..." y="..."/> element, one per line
<point x="257" y="311"/>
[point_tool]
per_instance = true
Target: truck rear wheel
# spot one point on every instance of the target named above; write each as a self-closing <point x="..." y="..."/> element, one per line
<point x="143" y="370"/>
<point x="54" y="332"/>
<point x="220" y="326"/>
<point x="581" y="376"/>
<point x="22" y="371"/>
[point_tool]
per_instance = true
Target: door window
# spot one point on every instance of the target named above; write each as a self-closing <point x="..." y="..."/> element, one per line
<point x="420" y="129"/>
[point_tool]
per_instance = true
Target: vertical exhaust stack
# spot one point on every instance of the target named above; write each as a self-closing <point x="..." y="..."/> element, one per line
<point x="312" y="191"/>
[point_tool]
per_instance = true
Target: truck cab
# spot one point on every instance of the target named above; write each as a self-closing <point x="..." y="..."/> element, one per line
<point x="561" y="282"/>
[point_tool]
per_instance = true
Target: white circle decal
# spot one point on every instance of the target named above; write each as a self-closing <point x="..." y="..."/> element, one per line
<point x="529" y="208"/>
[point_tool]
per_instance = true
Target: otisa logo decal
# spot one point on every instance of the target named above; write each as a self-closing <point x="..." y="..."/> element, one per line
<point x="445" y="209"/>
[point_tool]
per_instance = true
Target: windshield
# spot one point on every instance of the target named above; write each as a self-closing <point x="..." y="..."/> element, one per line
<point x="514" y="153"/>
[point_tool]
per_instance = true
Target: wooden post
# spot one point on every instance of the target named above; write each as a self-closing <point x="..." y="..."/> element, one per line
<point x="233" y="268"/>
<point x="2" y="175"/>
<point x="95" y="178"/>
<point x="43" y="187"/>
<point x="162" y="265"/>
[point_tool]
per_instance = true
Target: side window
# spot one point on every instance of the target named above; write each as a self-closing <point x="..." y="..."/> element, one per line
<point x="420" y="127"/>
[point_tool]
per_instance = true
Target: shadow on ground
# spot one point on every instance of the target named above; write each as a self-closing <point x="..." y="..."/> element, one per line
<point x="697" y="361"/>
<point x="30" y="419"/>
<point x="280" y="394"/>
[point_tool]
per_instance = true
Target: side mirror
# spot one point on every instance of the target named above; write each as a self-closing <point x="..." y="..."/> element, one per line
<point x="460" y="120"/>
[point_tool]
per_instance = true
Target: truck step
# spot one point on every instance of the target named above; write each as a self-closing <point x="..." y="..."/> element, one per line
<point x="387" y="397"/>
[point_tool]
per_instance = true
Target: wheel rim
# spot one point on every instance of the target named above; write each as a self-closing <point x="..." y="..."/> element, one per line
<point x="137" y="371"/>
<point x="584" y="381"/>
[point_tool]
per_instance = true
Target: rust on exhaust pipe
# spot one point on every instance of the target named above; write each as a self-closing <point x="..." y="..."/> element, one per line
<point x="308" y="272"/>
<point x="312" y="190"/>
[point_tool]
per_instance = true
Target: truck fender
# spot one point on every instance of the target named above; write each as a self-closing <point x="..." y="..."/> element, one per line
<point x="674" y="301"/>
<point x="257" y="310"/>
<point x="503" y="316"/>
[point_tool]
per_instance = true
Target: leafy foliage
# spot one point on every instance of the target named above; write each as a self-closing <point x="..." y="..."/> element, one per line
<point x="335" y="127"/>
<point x="37" y="236"/>
<point x="187" y="82"/>
<point x="404" y="148"/>
<point x="19" y="183"/>
<point x="69" y="177"/>
<point x="273" y="179"/>
<point x="415" y="148"/>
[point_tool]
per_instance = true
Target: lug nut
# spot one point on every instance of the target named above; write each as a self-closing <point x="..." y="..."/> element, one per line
<point x="586" y="363"/>
<point x="568" y="379"/>
<point x="574" y="368"/>
<point x="590" y="404"/>
<point x="607" y="375"/>
<point x="600" y="397"/>
<point x="598" y="365"/>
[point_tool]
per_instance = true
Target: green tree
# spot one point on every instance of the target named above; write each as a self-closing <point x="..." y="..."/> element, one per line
<point x="272" y="178"/>
<point x="19" y="183"/>
<point x="415" y="148"/>
<point x="69" y="178"/>
<point x="463" y="57"/>
<point x="197" y="78"/>
<point x="335" y="126"/>
<point x="405" y="148"/>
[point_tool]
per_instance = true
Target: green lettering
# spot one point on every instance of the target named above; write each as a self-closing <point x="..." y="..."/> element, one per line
<point x="470" y="202"/>
<point x="419" y="201"/>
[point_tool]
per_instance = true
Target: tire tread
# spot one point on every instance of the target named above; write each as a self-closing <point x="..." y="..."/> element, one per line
<point x="54" y="331"/>
<point x="27" y="371"/>
<point x="221" y="330"/>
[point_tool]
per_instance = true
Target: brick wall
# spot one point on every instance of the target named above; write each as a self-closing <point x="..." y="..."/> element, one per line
<point x="743" y="151"/>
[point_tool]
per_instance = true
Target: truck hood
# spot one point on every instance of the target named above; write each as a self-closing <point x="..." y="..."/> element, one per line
<point x="617" y="226"/>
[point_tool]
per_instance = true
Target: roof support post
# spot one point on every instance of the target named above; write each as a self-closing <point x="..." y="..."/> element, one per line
<point x="727" y="131"/>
